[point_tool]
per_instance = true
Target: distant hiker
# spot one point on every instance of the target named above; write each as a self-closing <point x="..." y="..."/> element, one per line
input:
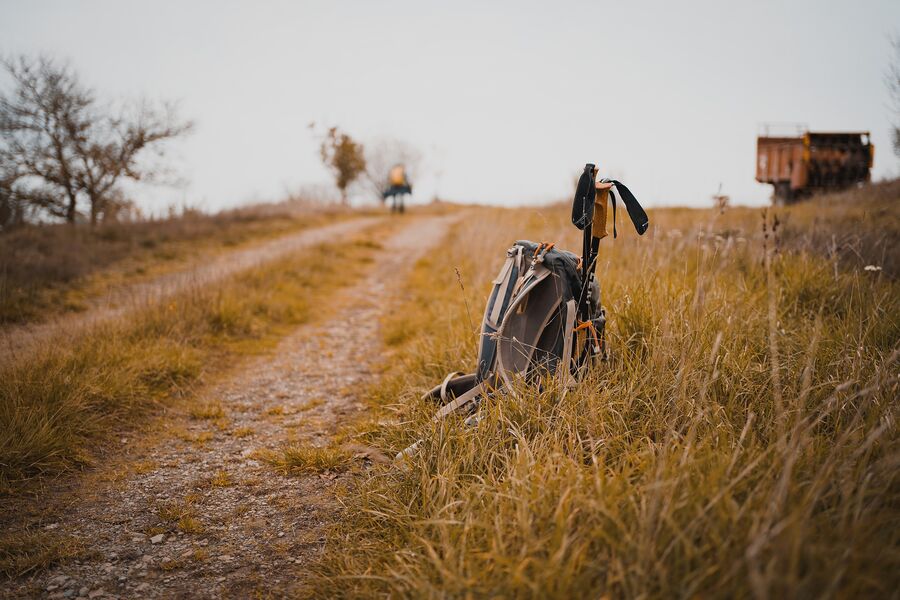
<point x="398" y="188"/>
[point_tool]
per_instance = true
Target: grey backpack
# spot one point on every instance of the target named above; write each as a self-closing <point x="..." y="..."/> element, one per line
<point x="530" y="328"/>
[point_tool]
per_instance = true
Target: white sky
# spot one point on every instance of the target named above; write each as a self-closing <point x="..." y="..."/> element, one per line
<point x="506" y="100"/>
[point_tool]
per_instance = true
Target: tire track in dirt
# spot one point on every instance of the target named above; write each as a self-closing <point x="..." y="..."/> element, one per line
<point x="121" y="300"/>
<point x="250" y="530"/>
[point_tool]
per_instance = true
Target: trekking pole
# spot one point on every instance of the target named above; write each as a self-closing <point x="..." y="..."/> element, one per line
<point x="582" y="218"/>
<point x="592" y="222"/>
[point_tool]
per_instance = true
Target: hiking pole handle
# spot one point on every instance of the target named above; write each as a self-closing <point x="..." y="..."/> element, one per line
<point x="601" y="209"/>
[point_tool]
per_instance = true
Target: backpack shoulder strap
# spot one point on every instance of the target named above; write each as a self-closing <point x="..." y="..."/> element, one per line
<point x="459" y="402"/>
<point x="496" y="307"/>
<point x="565" y="364"/>
<point x="443" y="390"/>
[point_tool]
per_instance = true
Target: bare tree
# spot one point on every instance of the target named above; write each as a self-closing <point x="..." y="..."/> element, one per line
<point x="19" y="202"/>
<point x="60" y="149"/>
<point x="12" y="207"/>
<point x="892" y="80"/>
<point x="110" y="152"/>
<point x="344" y="156"/>
<point x="35" y="120"/>
<point x="383" y="154"/>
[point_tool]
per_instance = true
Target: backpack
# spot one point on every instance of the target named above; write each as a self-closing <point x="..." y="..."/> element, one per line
<point x="529" y="326"/>
<point x="543" y="316"/>
<point x="397" y="176"/>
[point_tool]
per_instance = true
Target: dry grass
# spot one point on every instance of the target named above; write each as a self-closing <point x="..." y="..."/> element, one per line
<point x="22" y="552"/>
<point x="60" y="403"/>
<point x="743" y="440"/>
<point x="207" y="411"/>
<point x="51" y="268"/>
<point x="242" y="432"/>
<point x="146" y="466"/>
<point x="311" y="404"/>
<point x="174" y="511"/>
<point x="221" y="479"/>
<point x="189" y="524"/>
<point x="855" y="228"/>
<point x="180" y="515"/>
<point x="299" y="459"/>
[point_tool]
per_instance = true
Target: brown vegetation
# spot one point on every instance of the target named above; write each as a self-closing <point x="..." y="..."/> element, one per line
<point x="47" y="269"/>
<point x="344" y="157"/>
<point x="59" y="404"/>
<point x="853" y="229"/>
<point x="742" y="441"/>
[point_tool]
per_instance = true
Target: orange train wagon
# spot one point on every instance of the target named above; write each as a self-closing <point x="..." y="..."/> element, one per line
<point x="812" y="162"/>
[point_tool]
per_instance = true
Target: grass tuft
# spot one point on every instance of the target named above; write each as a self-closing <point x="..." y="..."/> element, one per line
<point x="242" y="432"/>
<point x="22" y="552"/>
<point x="188" y="524"/>
<point x="207" y="410"/>
<point x="221" y="479"/>
<point x="299" y="459"/>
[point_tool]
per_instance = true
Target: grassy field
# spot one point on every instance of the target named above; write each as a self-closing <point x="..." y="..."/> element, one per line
<point x="742" y="441"/>
<point x="60" y="405"/>
<point x="50" y="269"/>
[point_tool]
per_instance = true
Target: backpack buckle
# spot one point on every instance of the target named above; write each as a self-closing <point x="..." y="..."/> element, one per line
<point x="542" y="249"/>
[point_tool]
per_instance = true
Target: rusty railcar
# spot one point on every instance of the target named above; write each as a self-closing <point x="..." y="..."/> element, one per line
<point x="798" y="166"/>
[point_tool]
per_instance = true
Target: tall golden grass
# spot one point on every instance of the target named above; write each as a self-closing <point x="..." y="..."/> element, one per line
<point x="60" y="403"/>
<point x="741" y="442"/>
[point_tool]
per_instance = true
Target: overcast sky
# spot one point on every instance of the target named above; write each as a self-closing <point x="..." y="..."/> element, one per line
<point x="506" y="100"/>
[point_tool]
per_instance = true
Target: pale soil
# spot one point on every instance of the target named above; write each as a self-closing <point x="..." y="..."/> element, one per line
<point x="119" y="300"/>
<point x="259" y="529"/>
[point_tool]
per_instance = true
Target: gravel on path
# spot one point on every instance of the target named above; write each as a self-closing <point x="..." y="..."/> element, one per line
<point x="198" y="515"/>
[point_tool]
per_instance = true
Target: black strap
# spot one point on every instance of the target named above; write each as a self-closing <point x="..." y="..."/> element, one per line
<point x="635" y="210"/>
<point x="585" y="193"/>
<point x="582" y="218"/>
<point x="612" y="196"/>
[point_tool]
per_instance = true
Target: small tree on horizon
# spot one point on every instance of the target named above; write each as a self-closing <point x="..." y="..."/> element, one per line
<point x="344" y="157"/>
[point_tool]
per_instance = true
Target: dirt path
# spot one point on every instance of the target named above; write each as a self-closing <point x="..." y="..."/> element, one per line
<point x="120" y="300"/>
<point x="198" y="515"/>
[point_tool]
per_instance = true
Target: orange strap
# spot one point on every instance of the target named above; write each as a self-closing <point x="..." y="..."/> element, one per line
<point x="543" y="247"/>
<point x="585" y="325"/>
<point x="593" y="331"/>
<point x="590" y="326"/>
